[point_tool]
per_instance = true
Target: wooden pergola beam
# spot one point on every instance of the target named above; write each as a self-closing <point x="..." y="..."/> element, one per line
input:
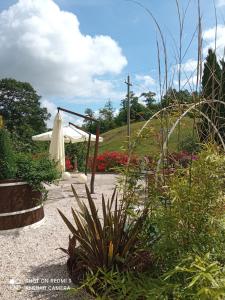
<point x="77" y="114"/>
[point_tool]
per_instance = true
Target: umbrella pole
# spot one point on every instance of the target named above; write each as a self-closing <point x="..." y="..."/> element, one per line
<point x="94" y="165"/>
<point x="88" y="151"/>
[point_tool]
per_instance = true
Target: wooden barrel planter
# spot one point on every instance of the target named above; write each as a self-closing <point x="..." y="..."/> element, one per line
<point x="19" y="205"/>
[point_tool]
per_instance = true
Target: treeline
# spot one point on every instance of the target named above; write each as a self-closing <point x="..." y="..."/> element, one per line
<point x="141" y="109"/>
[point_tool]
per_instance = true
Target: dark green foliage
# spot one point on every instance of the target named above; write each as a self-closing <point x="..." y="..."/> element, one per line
<point x="36" y="170"/>
<point x="137" y="110"/>
<point x="211" y="77"/>
<point x="106" y="117"/>
<point x="151" y="106"/>
<point x="24" y="166"/>
<point x="213" y="80"/>
<point x="107" y="242"/>
<point x="77" y="151"/>
<point x="173" y="96"/>
<point x="7" y="159"/>
<point x="21" y="109"/>
<point x="90" y="126"/>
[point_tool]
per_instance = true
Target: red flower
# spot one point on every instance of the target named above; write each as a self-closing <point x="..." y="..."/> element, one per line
<point x="107" y="161"/>
<point x="68" y="164"/>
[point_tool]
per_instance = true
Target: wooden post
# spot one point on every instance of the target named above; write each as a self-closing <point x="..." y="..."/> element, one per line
<point x="94" y="165"/>
<point x="88" y="151"/>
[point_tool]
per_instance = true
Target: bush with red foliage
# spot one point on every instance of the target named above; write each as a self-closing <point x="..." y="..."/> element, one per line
<point x="108" y="161"/>
<point x="69" y="165"/>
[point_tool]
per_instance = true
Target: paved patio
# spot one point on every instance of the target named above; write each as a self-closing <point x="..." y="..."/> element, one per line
<point x="31" y="265"/>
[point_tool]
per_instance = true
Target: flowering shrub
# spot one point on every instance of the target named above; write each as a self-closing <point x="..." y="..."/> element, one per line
<point x="69" y="165"/>
<point x="107" y="161"/>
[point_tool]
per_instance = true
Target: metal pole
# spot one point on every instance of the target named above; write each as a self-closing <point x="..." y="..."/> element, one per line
<point x="128" y="111"/>
<point x="94" y="165"/>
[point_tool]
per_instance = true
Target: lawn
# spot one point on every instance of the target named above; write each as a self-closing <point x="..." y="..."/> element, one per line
<point x="115" y="140"/>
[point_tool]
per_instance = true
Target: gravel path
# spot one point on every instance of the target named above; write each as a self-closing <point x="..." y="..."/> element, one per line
<point x="31" y="266"/>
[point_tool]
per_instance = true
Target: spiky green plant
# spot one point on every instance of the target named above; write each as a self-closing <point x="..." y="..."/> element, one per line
<point x="107" y="242"/>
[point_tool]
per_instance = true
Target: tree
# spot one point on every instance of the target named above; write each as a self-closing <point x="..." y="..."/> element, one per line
<point x="137" y="110"/>
<point x="172" y="96"/>
<point x="211" y="77"/>
<point x="106" y="117"/>
<point x="151" y="105"/>
<point x="89" y="125"/>
<point x="211" y="90"/>
<point x="149" y="98"/>
<point x="21" y="109"/>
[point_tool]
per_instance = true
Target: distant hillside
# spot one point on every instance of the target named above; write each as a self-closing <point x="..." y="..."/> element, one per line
<point x="115" y="140"/>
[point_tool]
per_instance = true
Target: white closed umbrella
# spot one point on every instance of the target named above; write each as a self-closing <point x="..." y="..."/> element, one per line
<point x="56" y="150"/>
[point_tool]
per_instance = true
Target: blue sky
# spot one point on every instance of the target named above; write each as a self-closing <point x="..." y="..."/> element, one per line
<point x="134" y="53"/>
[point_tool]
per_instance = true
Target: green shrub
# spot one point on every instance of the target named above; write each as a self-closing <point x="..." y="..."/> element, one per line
<point x="197" y="277"/>
<point x="7" y="161"/>
<point x="36" y="171"/>
<point x="194" y="278"/>
<point x="190" y="213"/>
<point x="113" y="284"/>
<point x="24" y="166"/>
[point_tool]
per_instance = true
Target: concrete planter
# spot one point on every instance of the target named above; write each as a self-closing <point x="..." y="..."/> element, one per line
<point x="20" y="206"/>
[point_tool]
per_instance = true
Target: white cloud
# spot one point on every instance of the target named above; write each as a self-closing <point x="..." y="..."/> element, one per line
<point x="190" y="65"/>
<point x="220" y="3"/>
<point x="52" y="109"/>
<point x="209" y="39"/>
<point x="145" y="83"/>
<point x="145" y="80"/>
<point x="116" y="112"/>
<point x="43" y="45"/>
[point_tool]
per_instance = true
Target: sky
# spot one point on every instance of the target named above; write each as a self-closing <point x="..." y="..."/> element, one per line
<point x="78" y="53"/>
